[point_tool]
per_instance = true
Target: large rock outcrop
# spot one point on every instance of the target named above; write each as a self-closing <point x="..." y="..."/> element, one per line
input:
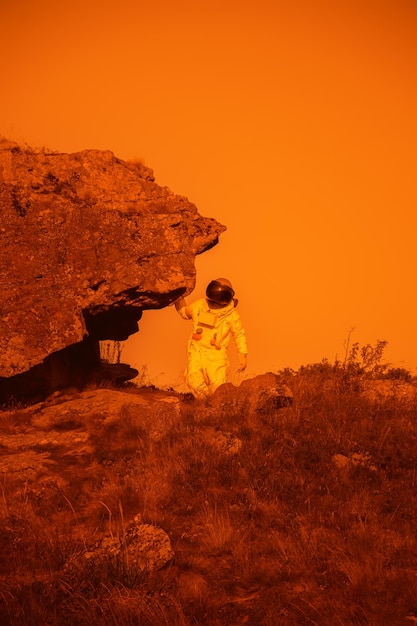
<point x="87" y="242"/>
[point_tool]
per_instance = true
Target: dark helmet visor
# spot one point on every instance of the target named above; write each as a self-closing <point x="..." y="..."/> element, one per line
<point x="221" y="294"/>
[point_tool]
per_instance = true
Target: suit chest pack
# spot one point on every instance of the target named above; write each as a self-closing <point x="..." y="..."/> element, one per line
<point x="206" y="319"/>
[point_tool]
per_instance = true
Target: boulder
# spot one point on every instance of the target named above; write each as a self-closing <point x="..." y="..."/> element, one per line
<point x="262" y="394"/>
<point x="144" y="548"/>
<point x="87" y="242"/>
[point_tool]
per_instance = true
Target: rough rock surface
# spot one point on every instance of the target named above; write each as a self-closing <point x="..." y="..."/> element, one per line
<point x="262" y="394"/>
<point x="72" y="457"/>
<point x="43" y="436"/>
<point x="144" y="548"/>
<point x="70" y="430"/>
<point x="70" y="443"/>
<point x="87" y="242"/>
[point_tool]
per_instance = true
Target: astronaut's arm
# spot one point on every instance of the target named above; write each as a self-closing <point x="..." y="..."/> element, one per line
<point x="242" y="361"/>
<point x="182" y="308"/>
<point x="180" y="303"/>
<point x="241" y="343"/>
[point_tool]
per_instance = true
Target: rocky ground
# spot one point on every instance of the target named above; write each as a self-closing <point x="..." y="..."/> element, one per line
<point x="259" y="505"/>
<point x="63" y="444"/>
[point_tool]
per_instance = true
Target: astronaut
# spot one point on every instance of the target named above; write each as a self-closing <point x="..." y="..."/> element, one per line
<point x="215" y="320"/>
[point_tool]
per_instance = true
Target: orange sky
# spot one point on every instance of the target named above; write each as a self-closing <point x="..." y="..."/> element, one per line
<point x="293" y="123"/>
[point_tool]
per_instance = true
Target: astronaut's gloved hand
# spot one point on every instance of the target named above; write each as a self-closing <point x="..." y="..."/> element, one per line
<point x="180" y="303"/>
<point x="243" y="362"/>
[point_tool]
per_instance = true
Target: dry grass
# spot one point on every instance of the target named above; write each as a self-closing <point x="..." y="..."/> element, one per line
<point x="313" y="521"/>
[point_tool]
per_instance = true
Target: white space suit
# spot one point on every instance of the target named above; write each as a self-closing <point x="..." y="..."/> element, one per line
<point x="214" y="323"/>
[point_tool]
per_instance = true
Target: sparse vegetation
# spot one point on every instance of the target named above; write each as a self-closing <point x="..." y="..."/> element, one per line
<point x="311" y="521"/>
<point x="111" y="351"/>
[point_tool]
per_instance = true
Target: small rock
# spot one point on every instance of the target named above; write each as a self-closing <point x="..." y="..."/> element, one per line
<point x="144" y="548"/>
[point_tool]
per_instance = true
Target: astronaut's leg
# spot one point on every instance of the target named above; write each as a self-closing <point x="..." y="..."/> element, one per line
<point x="217" y="364"/>
<point x="196" y="375"/>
